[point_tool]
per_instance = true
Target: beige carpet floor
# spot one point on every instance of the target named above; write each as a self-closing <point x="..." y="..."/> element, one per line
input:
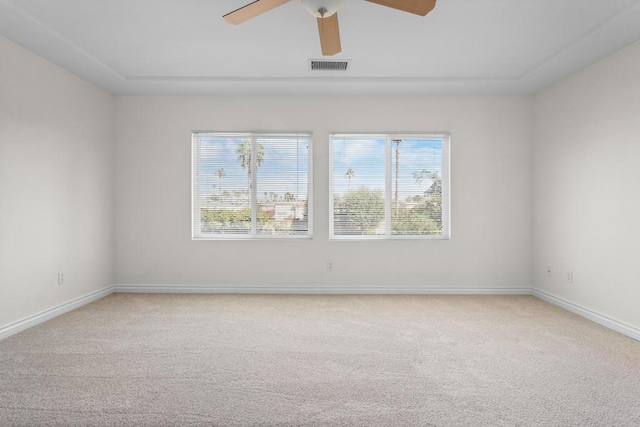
<point x="258" y="360"/>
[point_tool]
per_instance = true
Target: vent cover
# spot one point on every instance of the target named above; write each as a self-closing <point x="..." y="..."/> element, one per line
<point x="324" y="65"/>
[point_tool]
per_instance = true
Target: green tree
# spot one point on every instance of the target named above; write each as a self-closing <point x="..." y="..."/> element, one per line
<point x="426" y="217"/>
<point x="225" y="220"/>
<point x="244" y="157"/>
<point x="350" y="174"/>
<point x="289" y="197"/>
<point x="433" y="197"/>
<point x="358" y="211"/>
<point x="229" y="220"/>
<point x="414" y="221"/>
<point x="436" y="181"/>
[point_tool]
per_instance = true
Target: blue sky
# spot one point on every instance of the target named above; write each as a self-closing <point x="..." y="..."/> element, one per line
<point x="285" y="165"/>
<point x="283" y="169"/>
<point x="367" y="158"/>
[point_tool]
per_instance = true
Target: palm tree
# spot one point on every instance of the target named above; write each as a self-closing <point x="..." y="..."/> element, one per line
<point x="420" y="176"/>
<point x="221" y="174"/>
<point x="244" y="157"/>
<point x="397" y="201"/>
<point x="436" y="181"/>
<point x="350" y="174"/>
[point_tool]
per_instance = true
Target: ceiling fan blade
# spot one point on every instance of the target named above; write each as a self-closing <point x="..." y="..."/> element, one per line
<point x="418" y="7"/>
<point x="329" y="35"/>
<point x="252" y="10"/>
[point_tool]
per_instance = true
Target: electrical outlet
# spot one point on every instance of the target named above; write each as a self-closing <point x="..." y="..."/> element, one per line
<point x="330" y="265"/>
<point x="60" y="278"/>
<point x="570" y="277"/>
<point x="549" y="272"/>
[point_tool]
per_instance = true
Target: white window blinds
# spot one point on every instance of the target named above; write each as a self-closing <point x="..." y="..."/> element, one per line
<point x="389" y="186"/>
<point x="248" y="185"/>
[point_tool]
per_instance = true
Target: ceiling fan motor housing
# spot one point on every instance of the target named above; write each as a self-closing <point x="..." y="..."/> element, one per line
<point x="322" y="8"/>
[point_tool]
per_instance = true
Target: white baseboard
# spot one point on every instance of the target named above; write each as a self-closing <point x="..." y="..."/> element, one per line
<point x="601" y="319"/>
<point x="31" y="321"/>
<point x="594" y="316"/>
<point x="21" y="325"/>
<point x="319" y="290"/>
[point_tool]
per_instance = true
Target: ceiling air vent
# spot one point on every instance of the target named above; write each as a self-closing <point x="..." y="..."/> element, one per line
<point x="324" y="65"/>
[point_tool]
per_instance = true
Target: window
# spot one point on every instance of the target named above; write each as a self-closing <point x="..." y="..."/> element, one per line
<point x="389" y="186"/>
<point x="249" y="185"/>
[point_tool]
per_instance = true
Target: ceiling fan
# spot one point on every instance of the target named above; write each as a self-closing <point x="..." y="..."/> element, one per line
<point x="326" y="12"/>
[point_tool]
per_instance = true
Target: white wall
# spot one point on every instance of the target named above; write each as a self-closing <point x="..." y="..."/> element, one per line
<point x="587" y="194"/>
<point x="56" y="185"/>
<point x="57" y="180"/>
<point x="491" y="194"/>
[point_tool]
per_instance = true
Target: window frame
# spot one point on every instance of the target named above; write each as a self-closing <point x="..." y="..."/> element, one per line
<point x="389" y="137"/>
<point x="196" y="223"/>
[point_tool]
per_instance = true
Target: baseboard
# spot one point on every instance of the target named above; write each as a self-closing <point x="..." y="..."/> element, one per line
<point x="28" y="322"/>
<point x="319" y="290"/>
<point x="594" y="316"/>
<point x="36" y="319"/>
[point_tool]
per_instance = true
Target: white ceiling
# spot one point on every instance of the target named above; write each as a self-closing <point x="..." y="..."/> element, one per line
<point x="184" y="46"/>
